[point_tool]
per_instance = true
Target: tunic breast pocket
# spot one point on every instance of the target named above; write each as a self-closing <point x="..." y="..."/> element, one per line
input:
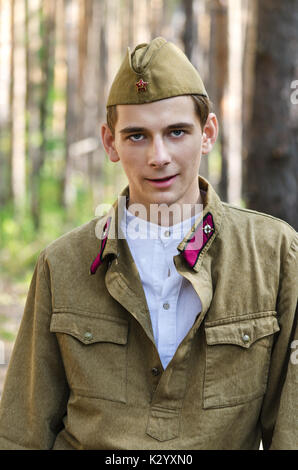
<point x="237" y="359"/>
<point x="94" y="353"/>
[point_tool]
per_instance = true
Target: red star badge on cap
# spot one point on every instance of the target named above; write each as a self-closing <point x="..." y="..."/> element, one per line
<point x="141" y="85"/>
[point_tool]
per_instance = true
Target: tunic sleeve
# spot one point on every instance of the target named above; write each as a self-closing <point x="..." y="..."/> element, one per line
<point x="279" y="416"/>
<point x="35" y="392"/>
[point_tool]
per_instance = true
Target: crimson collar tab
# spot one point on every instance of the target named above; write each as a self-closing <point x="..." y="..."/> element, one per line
<point x="190" y="250"/>
<point x="194" y="245"/>
<point x="104" y="236"/>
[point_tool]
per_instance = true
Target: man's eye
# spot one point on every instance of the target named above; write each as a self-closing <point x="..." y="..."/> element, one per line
<point x="136" y="137"/>
<point x="177" y="133"/>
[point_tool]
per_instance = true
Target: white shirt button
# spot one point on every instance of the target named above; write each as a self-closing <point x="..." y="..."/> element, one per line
<point x="167" y="233"/>
<point x="166" y="306"/>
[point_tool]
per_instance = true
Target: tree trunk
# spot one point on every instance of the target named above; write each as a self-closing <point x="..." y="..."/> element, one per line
<point x="60" y="73"/>
<point x="85" y="14"/>
<point x="272" y="164"/>
<point x="72" y="107"/>
<point x="18" y="100"/>
<point x="248" y="77"/>
<point x="189" y="36"/>
<point x="5" y="108"/>
<point x="217" y="89"/>
<point x="156" y="14"/>
<point x="233" y="111"/>
<point x="33" y="102"/>
<point x="94" y="93"/>
<point x="49" y="7"/>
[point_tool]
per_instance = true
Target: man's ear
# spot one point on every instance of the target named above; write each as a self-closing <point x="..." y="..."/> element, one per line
<point x="210" y="133"/>
<point x="108" y="141"/>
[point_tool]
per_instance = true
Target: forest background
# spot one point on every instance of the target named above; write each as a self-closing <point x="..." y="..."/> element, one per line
<point x="57" y="61"/>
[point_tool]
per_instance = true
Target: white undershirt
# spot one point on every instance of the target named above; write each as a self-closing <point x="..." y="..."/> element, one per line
<point x="172" y="301"/>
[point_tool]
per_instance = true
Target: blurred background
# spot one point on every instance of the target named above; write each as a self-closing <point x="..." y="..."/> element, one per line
<point x="57" y="61"/>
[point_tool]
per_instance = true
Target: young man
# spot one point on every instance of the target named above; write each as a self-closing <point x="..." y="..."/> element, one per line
<point x="173" y="331"/>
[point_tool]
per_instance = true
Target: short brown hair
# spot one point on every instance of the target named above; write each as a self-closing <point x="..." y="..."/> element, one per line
<point x="202" y="108"/>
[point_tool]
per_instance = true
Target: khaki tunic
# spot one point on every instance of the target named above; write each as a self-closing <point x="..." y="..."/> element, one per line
<point x="85" y="372"/>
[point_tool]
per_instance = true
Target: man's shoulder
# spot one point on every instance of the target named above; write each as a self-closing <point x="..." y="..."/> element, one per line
<point x="80" y="242"/>
<point x="257" y="224"/>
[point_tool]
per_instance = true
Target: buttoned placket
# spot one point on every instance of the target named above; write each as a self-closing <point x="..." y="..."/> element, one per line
<point x="167" y="303"/>
<point x="165" y="409"/>
<point x="164" y="416"/>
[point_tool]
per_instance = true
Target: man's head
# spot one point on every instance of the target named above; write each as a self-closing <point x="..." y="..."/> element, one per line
<point x="159" y="124"/>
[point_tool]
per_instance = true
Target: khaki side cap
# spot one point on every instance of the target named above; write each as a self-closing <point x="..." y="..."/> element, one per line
<point x="164" y="67"/>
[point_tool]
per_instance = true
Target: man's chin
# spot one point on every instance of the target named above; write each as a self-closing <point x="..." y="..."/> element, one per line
<point x="163" y="198"/>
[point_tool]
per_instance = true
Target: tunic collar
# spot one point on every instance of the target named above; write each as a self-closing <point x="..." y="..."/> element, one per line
<point x="136" y="227"/>
<point x="192" y="247"/>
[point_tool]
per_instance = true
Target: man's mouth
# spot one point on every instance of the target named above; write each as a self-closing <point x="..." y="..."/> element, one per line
<point x="162" y="182"/>
<point x="166" y="178"/>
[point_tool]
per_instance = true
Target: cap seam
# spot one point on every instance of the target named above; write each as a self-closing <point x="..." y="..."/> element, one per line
<point x="150" y="60"/>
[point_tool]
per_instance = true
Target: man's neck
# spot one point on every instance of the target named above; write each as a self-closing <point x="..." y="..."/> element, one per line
<point x="167" y="215"/>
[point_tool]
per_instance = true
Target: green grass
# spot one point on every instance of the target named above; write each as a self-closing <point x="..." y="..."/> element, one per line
<point x="20" y="243"/>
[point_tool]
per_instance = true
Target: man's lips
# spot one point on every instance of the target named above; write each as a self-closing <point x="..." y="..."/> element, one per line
<point x="165" y="178"/>
<point x="162" y="182"/>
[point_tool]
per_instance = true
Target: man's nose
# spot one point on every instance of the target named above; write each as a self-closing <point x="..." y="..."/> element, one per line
<point x="158" y="154"/>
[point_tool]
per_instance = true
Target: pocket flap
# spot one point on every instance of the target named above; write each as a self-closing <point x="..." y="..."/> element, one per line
<point x="242" y="332"/>
<point x="90" y="329"/>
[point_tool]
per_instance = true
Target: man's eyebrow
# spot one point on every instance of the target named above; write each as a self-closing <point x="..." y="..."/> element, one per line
<point x="131" y="130"/>
<point x="185" y="125"/>
<point x="135" y="130"/>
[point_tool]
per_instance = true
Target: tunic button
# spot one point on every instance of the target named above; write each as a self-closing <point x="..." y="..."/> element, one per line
<point x="155" y="371"/>
<point x="207" y="229"/>
<point x="167" y="233"/>
<point x="166" y="306"/>
<point x="246" y="338"/>
<point x="88" y="336"/>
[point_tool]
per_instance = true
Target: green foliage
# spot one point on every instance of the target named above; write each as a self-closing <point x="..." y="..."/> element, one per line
<point x="7" y="335"/>
<point x="20" y="244"/>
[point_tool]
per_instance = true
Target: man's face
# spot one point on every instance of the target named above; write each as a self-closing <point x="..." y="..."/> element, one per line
<point x="160" y="145"/>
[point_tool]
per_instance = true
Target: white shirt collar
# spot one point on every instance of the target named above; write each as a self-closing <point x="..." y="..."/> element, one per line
<point x="137" y="228"/>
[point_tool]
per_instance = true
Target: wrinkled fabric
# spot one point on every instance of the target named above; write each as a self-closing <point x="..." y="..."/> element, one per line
<point x="85" y="372"/>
